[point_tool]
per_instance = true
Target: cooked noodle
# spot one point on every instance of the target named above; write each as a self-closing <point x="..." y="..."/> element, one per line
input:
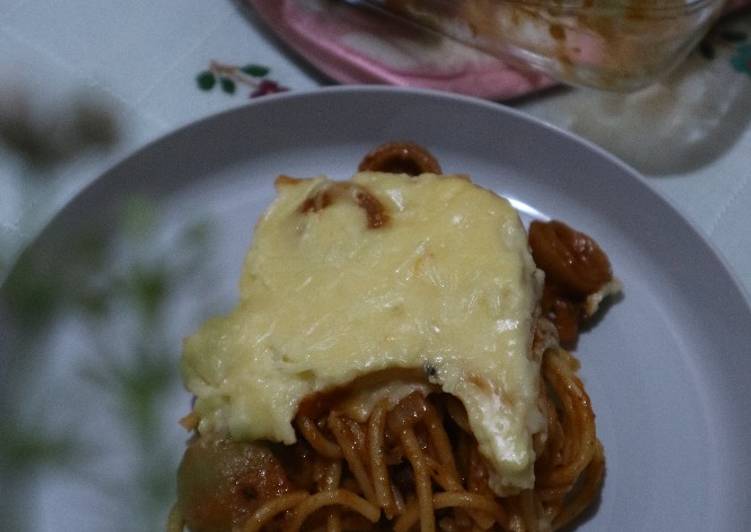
<point x="379" y="471"/>
<point x="327" y="498"/>
<point x="272" y="508"/>
<point x="350" y="450"/>
<point x="461" y="499"/>
<point x="423" y="485"/>
<point x="318" y="441"/>
<point x="417" y="463"/>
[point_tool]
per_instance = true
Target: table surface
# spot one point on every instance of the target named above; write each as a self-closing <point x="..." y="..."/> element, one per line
<point x="113" y="76"/>
<point x="86" y="83"/>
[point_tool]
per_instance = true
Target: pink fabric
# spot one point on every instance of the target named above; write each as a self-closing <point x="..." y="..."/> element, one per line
<point x="333" y="38"/>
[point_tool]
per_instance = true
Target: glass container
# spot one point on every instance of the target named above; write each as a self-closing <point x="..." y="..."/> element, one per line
<point x="620" y="45"/>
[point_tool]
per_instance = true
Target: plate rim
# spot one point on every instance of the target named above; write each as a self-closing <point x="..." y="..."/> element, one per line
<point x="740" y="299"/>
<point x="361" y="89"/>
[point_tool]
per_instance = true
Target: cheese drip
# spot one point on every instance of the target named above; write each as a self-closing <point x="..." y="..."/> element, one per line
<point x="444" y="282"/>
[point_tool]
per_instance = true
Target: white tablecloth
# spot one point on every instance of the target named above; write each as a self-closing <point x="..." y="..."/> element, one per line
<point x="141" y="60"/>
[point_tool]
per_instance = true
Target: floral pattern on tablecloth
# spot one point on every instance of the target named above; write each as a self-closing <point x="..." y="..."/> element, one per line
<point x="228" y="77"/>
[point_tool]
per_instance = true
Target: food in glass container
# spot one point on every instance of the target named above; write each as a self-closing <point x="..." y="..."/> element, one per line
<point x="610" y="44"/>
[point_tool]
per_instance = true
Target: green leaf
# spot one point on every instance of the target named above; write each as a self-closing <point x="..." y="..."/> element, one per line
<point x="206" y="80"/>
<point x="90" y="249"/>
<point x="33" y="291"/>
<point x="149" y="287"/>
<point x="29" y="446"/>
<point x="95" y="303"/>
<point x="138" y="217"/>
<point x="257" y="71"/>
<point x="228" y="85"/>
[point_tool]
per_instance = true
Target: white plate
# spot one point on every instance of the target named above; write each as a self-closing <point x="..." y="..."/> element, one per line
<point x="668" y="368"/>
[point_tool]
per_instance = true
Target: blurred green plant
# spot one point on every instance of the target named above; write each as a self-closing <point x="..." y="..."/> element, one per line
<point x="128" y="281"/>
<point x="25" y="445"/>
<point x="55" y="136"/>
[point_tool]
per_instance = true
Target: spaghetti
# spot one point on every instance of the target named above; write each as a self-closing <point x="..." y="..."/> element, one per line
<point x="417" y="463"/>
<point x="411" y="464"/>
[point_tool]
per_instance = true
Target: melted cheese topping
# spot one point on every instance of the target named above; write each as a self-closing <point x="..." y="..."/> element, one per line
<point x="446" y="283"/>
